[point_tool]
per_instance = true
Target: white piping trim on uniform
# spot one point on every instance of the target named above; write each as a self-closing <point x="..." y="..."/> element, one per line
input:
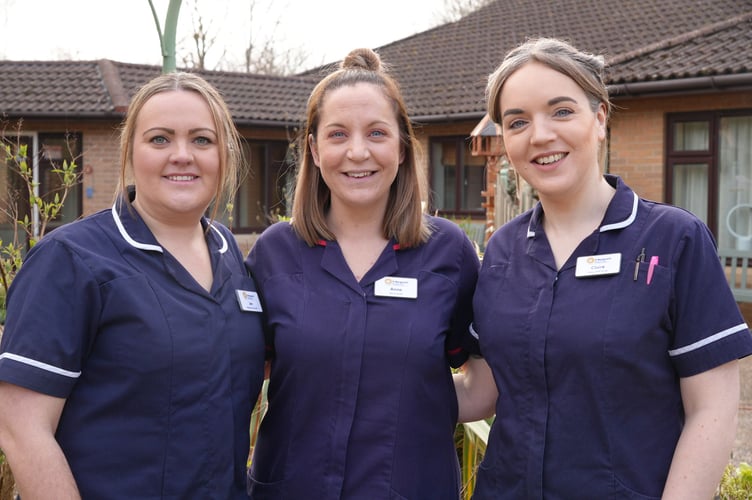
<point x="708" y="340"/>
<point x="224" y="241"/>
<point x="629" y="220"/>
<point x="40" y="365"/>
<point x="127" y="237"/>
<point x="473" y="332"/>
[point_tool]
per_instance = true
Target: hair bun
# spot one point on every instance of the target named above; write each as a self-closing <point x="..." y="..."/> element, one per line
<point x="365" y="59"/>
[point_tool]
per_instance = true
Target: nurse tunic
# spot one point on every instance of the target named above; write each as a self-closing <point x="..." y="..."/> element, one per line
<point x="361" y="398"/>
<point x="588" y="368"/>
<point x="159" y="375"/>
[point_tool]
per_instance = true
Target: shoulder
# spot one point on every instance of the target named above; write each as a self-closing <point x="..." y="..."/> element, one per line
<point x="88" y="234"/>
<point x="279" y="233"/>
<point x="277" y="250"/>
<point x="444" y="229"/>
<point x="673" y="220"/>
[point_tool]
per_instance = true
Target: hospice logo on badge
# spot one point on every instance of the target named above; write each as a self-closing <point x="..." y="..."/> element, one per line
<point x="394" y="286"/>
<point x="598" y="265"/>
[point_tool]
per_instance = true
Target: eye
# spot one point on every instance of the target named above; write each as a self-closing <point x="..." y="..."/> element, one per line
<point x="158" y="139"/>
<point x="378" y="133"/>
<point x="202" y="141"/>
<point x="336" y="134"/>
<point x="515" y="124"/>
<point x="563" y="112"/>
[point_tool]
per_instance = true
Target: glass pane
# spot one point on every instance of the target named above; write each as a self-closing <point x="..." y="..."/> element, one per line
<point x="692" y="136"/>
<point x="735" y="183"/>
<point x="444" y="175"/>
<point x="56" y="149"/>
<point x="691" y="188"/>
<point x="473" y="181"/>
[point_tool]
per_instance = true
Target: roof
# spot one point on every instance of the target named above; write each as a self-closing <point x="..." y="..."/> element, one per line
<point x="100" y="89"/>
<point x="443" y="71"/>
<point x="651" y="47"/>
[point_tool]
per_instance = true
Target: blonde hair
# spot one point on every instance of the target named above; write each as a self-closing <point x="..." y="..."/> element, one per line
<point x="230" y="152"/>
<point x="404" y="219"/>
<point x="585" y="69"/>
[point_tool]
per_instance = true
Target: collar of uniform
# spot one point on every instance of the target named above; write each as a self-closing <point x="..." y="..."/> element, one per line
<point x="136" y="233"/>
<point x="621" y="211"/>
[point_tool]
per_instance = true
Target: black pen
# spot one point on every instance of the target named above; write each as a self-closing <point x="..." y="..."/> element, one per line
<point x="640" y="258"/>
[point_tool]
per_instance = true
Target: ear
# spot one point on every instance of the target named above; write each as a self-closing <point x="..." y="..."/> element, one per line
<point x="314" y="150"/>
<point x="600" y="119"/>
<point x="402" y="154"/>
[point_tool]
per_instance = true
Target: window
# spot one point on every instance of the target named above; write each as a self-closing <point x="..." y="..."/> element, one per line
<point x="45" y="152"/>
<point x="457" y="178"/>
<point x="263" y="194"/>
<point x="709" y="172"/>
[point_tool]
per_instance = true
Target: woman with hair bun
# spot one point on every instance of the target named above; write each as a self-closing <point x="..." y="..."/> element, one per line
<point x="368" y="304"/>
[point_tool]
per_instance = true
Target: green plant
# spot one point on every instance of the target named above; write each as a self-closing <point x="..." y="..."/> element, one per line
<point x="26" y="227"/>
<point x="736" y="483"/>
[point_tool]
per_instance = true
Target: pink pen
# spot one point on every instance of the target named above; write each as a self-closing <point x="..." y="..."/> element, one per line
<point x="651" y="266"/>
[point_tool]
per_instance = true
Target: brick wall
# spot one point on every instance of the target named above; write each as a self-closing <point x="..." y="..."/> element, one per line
<point x="638" y="127"/>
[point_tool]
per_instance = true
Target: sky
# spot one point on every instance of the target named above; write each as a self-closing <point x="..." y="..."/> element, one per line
<point x="321" y="31"/>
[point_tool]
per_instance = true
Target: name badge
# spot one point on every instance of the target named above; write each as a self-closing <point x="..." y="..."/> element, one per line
<point x="394" y="286"/>
<point x="598" y="265"/>
<point x="248" y="301"/>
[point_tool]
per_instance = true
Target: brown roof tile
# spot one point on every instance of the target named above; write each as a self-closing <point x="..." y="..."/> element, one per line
<point x="443" y="71"/>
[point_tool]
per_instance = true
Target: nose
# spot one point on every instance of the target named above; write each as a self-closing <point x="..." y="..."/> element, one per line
<point x="181" y="152"/>
<point x="541" y="131"/>
<point x="358" y="150"/>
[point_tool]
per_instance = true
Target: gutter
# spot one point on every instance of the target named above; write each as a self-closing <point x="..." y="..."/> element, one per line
<point x="737" y="81"/>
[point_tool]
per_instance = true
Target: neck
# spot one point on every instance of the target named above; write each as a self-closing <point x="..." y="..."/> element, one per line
<point x="348" y="223"/>
<point x="177" y="230"/>
<point x="585" y="208"/>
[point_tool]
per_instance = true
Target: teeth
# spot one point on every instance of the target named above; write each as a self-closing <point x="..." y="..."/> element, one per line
<point x="359" y="175"/>
<point x="181" y="177"/>
<point x="545" y="160"/>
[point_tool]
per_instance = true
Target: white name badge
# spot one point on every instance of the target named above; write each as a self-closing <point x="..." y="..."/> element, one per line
<point x="598" y="265"/>
<point x="394" y="286"/>
<point x="248" y="301"/>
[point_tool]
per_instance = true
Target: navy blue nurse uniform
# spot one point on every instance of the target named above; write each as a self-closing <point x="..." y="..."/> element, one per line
<point x="361" y="398"/>
<point x="588" y="368"/>
<point x="159" y="375"/>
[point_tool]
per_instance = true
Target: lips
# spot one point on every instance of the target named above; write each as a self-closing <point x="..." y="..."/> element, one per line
<point x="359" y="175"/>
<point x="181" y="178"/>
<point x="548" y="159"/>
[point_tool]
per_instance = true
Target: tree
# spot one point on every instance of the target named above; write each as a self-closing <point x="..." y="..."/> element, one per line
<point x="261" y="55"/>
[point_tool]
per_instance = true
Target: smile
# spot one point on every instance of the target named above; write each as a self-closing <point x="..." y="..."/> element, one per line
<point x="181" y="178"/>
<point x="545" y="160"/>
<point x="359" y="175"/>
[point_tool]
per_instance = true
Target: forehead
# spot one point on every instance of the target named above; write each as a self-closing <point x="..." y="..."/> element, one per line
<point x="360" y="95"/>
<point x="175" y="107"/>
<point x="535" y="80"/>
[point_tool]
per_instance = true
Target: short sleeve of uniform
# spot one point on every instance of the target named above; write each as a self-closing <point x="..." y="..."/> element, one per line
<point x="708" y="327"/>
<point x="48" y="327"/>
<point x="460" y="343"/>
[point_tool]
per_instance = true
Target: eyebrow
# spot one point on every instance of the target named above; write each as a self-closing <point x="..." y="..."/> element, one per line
<point x="172" y="131"/>
<point x="551" y="102"/>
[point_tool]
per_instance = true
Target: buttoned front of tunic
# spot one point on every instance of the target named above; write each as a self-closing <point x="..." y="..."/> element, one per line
<point x="361" y="398"/>
<point x="159" y="375"/>
<point x="588" y="368"/>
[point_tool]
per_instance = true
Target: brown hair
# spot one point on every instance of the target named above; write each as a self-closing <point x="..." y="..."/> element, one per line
<point x="230" y="153"/>
<point x="585" y="69"/>
<point x="404" y="219"/>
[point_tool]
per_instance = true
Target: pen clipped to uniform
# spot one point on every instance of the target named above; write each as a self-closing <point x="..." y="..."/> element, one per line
<point x="640" y="258"/>
<point x="651" y="267"/>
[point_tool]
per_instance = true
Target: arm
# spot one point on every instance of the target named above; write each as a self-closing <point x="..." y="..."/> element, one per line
<point x="476" y="390"/>
<point x="28" y="421"/>
<point x="711" y="401"/>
